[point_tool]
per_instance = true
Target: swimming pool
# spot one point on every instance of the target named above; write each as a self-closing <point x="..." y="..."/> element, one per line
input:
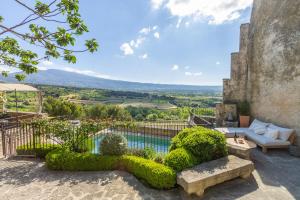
<point x="139" y="141"/>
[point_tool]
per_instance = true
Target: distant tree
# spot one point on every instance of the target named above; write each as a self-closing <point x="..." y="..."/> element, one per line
<point x="55" y="42"/>
<point x="108" y="112"/>
<point x="61" y="108"/>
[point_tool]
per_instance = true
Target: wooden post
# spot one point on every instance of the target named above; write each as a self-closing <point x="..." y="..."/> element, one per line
<point x="17" y="112"/>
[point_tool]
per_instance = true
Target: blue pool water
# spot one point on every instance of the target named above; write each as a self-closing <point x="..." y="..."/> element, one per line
<point x="140" y="141"/>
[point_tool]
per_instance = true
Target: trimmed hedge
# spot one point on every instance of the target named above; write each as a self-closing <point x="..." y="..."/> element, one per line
<point x="180" y="159"/>
<point x="155" y="174"/>
<point x="39" y="150"/>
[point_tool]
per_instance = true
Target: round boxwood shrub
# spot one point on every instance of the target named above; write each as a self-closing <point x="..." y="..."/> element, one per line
<point x="113" y="144"/>
<point x="180" y="159"/>
<point x="203" y="143"/>
<point x="177" y="140"/>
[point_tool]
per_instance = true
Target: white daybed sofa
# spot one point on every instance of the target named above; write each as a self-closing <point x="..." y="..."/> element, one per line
<point x="265" y="135"/>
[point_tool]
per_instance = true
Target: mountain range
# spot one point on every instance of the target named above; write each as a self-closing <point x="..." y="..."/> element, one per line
<point x="72" y="79"/>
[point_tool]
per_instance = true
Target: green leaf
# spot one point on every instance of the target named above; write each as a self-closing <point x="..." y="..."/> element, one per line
<point x="20" y="77"/>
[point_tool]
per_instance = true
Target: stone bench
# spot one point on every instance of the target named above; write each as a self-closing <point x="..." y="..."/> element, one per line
<point x="195" y="180"/>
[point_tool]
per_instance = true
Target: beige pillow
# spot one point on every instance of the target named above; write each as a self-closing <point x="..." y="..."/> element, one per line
<point x="284" y="133"/>
<point x="272" y="133"/>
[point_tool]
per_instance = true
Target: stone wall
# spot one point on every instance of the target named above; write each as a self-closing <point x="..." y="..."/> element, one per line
<point x="268" y="73"/>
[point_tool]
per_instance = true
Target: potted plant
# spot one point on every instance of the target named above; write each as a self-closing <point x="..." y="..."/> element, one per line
<point x="244" y="113"/>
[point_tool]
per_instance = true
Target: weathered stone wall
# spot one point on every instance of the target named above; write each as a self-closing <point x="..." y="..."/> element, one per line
<point x="266" y="70"/>
<point x="234" y="89"/>
<point x="274" y="59"/>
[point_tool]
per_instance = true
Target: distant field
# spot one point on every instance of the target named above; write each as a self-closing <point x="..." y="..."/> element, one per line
<point x="125" y="103"/>
<point x="163" y="106"/>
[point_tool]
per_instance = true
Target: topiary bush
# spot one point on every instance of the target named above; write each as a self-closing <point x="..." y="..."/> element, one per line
<point x="113" y="144"/>
<point x="205" y="144"/>
<point x="39" y="150"/>
<point x="180" y="159"/>
<point x="177" y="140"/>
<point x="155" y="174"/>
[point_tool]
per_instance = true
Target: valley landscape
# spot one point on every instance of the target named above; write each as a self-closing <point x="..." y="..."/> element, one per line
<point x="68" y="92"/>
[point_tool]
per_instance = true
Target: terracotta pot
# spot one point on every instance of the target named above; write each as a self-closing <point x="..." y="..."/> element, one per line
<point x="244" y="121"/>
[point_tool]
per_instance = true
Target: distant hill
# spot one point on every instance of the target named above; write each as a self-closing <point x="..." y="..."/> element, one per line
<point x="64" y="78"/>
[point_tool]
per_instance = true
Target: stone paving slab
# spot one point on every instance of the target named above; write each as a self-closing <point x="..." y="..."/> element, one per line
<point x="276" y="177"/>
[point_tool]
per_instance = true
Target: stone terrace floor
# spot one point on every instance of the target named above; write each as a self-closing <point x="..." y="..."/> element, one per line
<point x="277" y="176"/>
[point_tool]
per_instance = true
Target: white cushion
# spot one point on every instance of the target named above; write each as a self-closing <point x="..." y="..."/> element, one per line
<point x="257" y="123"/>
<point x="284" y="133"/>
<point x="272" y="133"/>
<point x="266" y="141"/>
<point x="259" y="139"/>
<point x="260" y="130"/>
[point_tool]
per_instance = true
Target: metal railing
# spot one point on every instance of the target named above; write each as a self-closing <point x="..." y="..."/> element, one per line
<point x="27" y="138"/>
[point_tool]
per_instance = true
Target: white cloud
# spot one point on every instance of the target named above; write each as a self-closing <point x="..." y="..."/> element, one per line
<point x="213" y="11"/>
<point x="186" y="67"/>
<point x="47" y="63"/>
<point x="129" y="47"/>
<point x="178" y="22"/>
<point x="144" y="56"/>
<point x="136" y="43"/>
<point x="175" y="67"/>
<point x="193" y="74"/>
<point x="86" y="72"/>
<point x="218" y="63"/>
<point x="156" y="35"/>
<point x="145" y="30"/>
<point x="126" y="48"/>
<point x="157" y="3"/>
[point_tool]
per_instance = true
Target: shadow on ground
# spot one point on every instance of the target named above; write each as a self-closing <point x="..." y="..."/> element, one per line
<point x="276" y="177"/>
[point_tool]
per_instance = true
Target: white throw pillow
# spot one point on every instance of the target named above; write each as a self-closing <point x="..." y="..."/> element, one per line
<point x="257" y="123"/>
<point x="260" y="130"/>
<point x="284" y="133"/>
<point x="272" y="133"/>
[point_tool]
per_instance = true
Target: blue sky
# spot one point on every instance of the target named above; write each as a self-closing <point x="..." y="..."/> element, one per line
<point x="158" y="41"/>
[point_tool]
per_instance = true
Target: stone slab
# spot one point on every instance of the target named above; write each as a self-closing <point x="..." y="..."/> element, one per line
<point x="200" y="177"/>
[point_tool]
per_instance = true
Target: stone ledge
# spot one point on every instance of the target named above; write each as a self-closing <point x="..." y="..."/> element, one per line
<point x="200" y="177"/>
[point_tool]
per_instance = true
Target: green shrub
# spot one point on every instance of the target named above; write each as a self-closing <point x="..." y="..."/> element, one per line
<point x="113" y="144"/>
<point x="203" y="143"/>
<point x="155" y="174"/>
<point x="39" y="150"/>
<point x="147" y="153"/>
<point x="135" y="152"/>
<point x="159" y="158"/>
<point x="180" y="159"/>
<point x="68" y="160"/>
<point x="177" y="140"/>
